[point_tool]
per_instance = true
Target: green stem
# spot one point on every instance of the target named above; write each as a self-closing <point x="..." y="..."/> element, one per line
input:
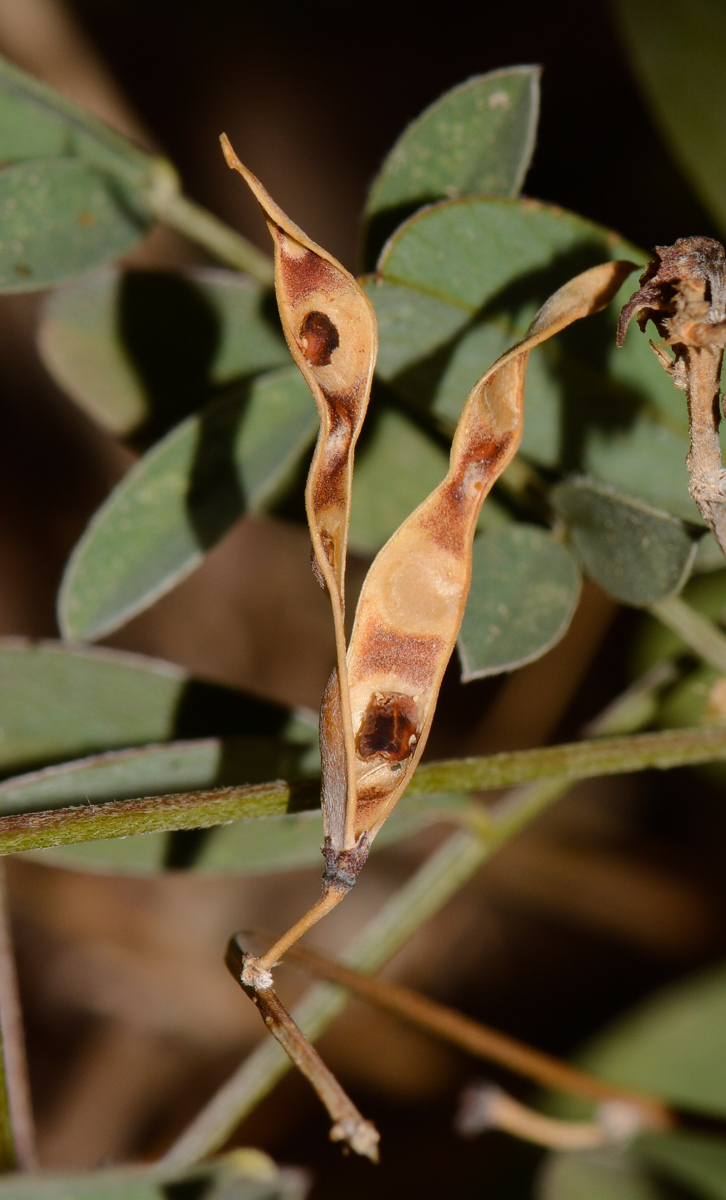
<point x="705" y="638"/>
<point x="174" y="208"/>
<point x="201" y="810"/>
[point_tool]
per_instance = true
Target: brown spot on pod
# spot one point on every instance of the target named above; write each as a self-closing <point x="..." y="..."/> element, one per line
<point x="318" y="339"/>
<point x="389" y="728"/>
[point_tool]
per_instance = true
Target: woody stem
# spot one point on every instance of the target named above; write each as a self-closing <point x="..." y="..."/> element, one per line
<point x="704" y="457"/>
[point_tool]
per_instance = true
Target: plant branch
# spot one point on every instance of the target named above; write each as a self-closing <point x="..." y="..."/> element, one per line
<point x="348" y="1124"/>
<point x="553" y="765"/>
<point x="416" y="902"/>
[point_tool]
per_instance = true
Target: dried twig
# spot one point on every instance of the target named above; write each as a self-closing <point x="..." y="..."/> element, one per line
<point x="486" y="1106"/>
<point x="348" y="1124"/>
<point x="683" y="292"/>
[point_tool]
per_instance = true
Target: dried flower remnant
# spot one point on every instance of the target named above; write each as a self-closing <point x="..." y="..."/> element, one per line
<point x="683" y="292"/>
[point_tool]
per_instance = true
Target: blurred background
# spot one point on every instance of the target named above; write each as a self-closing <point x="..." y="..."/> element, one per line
<point x="132" y="1020"/>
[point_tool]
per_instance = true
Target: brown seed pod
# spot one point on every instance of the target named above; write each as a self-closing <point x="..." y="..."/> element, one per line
<point x="414" y="595"/>
<point x="332" y="333"/>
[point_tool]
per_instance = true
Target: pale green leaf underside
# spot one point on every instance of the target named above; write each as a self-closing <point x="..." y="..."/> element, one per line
<point x="139" y="347"/>
<point x="595" y="1175"/>
<point x="240" y="1175"/>
<point x="59" y="218"/>
<point x="524" y="590"/>
<point x="678" y="54"/>
<point x="695" y="1162"/>
<point x="182" y="497"/>
<point x="59" y="703"/>
<point x="477" y="138"/>
<point x="460" y="283"/>
<point x="637" y="553"/>
<point x="38" y="122"/>
<point x="673" y="1045"/>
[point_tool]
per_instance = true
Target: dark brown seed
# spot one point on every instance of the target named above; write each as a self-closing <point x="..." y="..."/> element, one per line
<point x="318" y="339"/>
<point x="389" y="727"/>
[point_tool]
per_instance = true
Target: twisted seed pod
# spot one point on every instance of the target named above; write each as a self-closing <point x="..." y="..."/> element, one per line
<point x="414" y="595"/>
<point x="331" y="330"/>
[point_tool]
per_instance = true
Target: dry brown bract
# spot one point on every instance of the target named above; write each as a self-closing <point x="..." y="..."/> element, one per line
<point x="379" y="703"/>
<point x="683" y="292"/>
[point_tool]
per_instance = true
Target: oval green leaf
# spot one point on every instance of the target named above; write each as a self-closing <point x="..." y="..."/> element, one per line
<point x="673" y="1045"/>
<point x="38" y="122"/>
<point x="60" y="218"/>
<point x="695" y="1162"/>
<point x="175" y="504"/>
<point x="459" y="284"/>
<point x="477" y="138"/>
<point x="637" y="553"/>
<point x="524" y="591"/>
<point x="140" y="350"/>
<point x="678" y="54"/>
<point x="59" y="703"/>
<point x="595" y="1175"/>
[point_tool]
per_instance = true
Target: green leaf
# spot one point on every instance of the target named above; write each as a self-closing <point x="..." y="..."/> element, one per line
<point x="182" y="497"/>
<point x="524" y="591"/>
<point x="140" y="350"/>
<point x="477" y="138"/>
<point x="59" y="218"/>
<point x="396" y="467"/>
<point x="595" y="1175"/>
<point x="58" y="703"/>
<point x="38" y="122"/>
<point x="239" y="1175"/>
<point x="695" y="1162"/>
<point x="460" y="282"/>
<point x="635" y="552"/>
<point x="655" y="642"/>
<point x="673" y="1045"/>
<point x="678" y="54"/>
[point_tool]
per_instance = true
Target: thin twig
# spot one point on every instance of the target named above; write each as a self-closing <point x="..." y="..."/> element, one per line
<point x="490" y="1107"/>
<point x="348" y="1124"/>
<point x="475" y="1038"/>
<point x="17" y="1134"/>
<point x="436" y="881"/>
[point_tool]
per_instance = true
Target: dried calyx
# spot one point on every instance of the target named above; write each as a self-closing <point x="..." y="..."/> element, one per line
<point x="683" y="292"/>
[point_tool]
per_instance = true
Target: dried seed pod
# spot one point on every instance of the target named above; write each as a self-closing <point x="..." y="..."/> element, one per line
<point x="332" y="333"/>
<point x="683" y="292"/>
<point x="414" y="595"/>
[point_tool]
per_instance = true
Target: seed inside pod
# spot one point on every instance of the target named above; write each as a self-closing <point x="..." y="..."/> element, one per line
<point x="389" y="728"/>
<point x="318" y="339"/>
